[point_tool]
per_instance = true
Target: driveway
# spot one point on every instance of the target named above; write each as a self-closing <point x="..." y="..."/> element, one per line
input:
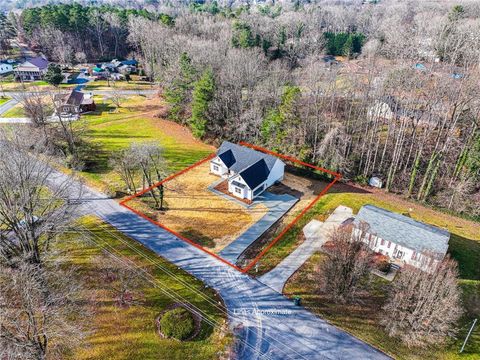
<point x="7" y="105"/>
<point x="277" y="206"/>
<point x="271" y="327"/>
<point x="316" y="234"/>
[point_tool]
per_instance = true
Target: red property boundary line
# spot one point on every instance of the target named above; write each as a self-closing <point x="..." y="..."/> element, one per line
<point x="336" y="177"/>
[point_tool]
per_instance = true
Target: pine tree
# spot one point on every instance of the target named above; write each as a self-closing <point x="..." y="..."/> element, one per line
<point x="203" y="92"/>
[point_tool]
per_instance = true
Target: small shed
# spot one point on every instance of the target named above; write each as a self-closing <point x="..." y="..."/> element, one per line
<point x="375" y="182"/>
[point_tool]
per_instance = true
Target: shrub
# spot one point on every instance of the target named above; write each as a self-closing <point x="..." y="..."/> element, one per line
<point x="177" y="323"/>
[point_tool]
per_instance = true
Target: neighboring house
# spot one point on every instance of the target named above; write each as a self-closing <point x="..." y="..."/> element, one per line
<point x="31" y="69"/>
<point x="71" y="105"/>
<point x="388" y="109"/>
<point x="248" y="172"/>
<point x="401" y="238"/>
<point x="5" y="67"/>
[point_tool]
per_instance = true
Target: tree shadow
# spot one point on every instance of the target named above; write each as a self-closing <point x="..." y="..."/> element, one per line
<point x="198" y="238"/>
<point x="467" y="254"/>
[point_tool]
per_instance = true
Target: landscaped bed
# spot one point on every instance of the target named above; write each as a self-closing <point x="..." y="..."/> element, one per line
<point x="195" y="212"/>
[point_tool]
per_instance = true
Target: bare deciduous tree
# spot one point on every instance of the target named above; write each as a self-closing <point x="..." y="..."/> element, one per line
<point x="347" y="263"/>
<point x="34" y="207"/>
<point x="120" y="277"/>
<point x="39" y="314"/>
<point x="424" y="307"/>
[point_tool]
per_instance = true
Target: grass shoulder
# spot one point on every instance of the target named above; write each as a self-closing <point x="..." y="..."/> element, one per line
<point x="130" y="332"/>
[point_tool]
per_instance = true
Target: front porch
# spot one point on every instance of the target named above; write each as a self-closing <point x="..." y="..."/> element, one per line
<point x="223" y="188"/>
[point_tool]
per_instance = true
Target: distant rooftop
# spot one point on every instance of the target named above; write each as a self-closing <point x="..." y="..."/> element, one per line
<point x="403" y="230"/>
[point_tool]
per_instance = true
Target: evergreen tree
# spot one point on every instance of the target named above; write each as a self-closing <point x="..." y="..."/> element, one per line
<point x="53" y="75"/>
<point x="178" y="92"/>
<point x="280" y="121"/>
<point x="203" y="92"/>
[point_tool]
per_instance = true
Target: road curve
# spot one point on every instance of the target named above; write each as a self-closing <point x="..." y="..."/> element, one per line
<point x="271" y="326"/>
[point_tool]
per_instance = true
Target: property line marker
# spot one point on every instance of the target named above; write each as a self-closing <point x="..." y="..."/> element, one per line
<point x="336" y="176"/>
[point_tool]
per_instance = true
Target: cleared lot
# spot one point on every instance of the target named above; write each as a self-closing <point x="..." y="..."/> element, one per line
<point x="200" y="215"/>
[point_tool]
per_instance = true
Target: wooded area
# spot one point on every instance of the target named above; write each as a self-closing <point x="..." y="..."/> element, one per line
<point x="404" y="108"/>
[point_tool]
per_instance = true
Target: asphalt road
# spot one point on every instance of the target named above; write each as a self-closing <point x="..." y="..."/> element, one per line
<point x="269" y="326"/>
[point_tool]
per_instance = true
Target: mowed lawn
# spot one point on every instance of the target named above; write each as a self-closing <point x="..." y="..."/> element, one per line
<point x="362" y="319"/>
<point x="464" y="245"/>
<point x="200" y="215"/>
<point x="3" y="100"/>
<point x="123" y="333"/>
<point x="110" y="130"/>
<point x="15" y="112"/>
<point x="120" y="85"/>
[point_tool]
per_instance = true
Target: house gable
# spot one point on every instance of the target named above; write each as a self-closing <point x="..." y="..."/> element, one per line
<point x="404" y="231"/>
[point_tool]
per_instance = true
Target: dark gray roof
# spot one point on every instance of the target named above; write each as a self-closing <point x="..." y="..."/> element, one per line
<point x="227" y="158"/>
<point x="255" y="174"/>
<point x="75" y="98"/>
<point x="240" y="157"/>
<point x="403" y="230"/>
<point x="39" y="62"/>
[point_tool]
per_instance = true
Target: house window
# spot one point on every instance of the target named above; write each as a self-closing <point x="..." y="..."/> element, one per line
<point x="382" y="242"/>
<point x="215" y="167"/>
<point x="238" y="191"/>
<point x="389" y="243"/>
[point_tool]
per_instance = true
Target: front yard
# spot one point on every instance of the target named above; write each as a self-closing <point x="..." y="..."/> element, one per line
<point x="200" y="215"/>
<point x="117" y="332"/>
<point x="363" y="318"/>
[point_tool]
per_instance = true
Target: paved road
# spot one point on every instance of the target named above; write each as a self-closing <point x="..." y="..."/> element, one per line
<point x="272" y="327"/>
<point x="23" y="120"/>
<point x="277" y="206"/>
<point x="316" y="234"/>
<point x="7" y="105"/>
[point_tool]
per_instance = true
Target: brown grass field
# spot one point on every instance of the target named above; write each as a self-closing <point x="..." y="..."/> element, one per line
<point x="202" y="216"/>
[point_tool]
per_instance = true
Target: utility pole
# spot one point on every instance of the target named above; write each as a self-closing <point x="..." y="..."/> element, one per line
<point x="468" y="335"/>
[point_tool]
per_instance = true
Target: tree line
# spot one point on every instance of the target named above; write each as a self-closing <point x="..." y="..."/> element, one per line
<point x="382" y="114"/>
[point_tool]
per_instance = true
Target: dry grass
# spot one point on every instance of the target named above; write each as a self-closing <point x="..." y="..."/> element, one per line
<point x="202" y="216"/>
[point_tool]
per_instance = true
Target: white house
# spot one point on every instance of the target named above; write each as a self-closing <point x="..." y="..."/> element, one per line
<point x="248" y="172"/>
<point x="32" y="69"/>
<point x="5" y="68"/>
<point x="402" y="239"/>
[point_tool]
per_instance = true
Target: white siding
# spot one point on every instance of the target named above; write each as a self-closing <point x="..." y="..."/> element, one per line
<point x="217" y="167"/>
<point x="399" y="253"/>
<point x="277" y="172"/>
<point x="244" y="193"/>
<point x="5" y="68"/>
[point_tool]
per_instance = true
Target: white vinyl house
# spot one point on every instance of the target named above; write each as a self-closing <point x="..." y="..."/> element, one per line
<point x="248" y="172"/>
<point x="5" y="68"/>
<point x="402" y="239"/>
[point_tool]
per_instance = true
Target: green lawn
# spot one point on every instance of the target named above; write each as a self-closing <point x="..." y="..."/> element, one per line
<point x="464" y="243"/>
<point x="17" y="86"/>
<point x="362" y="319"/>
<point x="3" y="100"/>
<point x="15" y="112"/>
<point x="120" y="85"/>
<point x="109" y="131"/>
<point x="130" y="333"/>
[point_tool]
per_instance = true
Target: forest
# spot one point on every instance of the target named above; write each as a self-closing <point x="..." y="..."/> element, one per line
<point x="400" y="101"/>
